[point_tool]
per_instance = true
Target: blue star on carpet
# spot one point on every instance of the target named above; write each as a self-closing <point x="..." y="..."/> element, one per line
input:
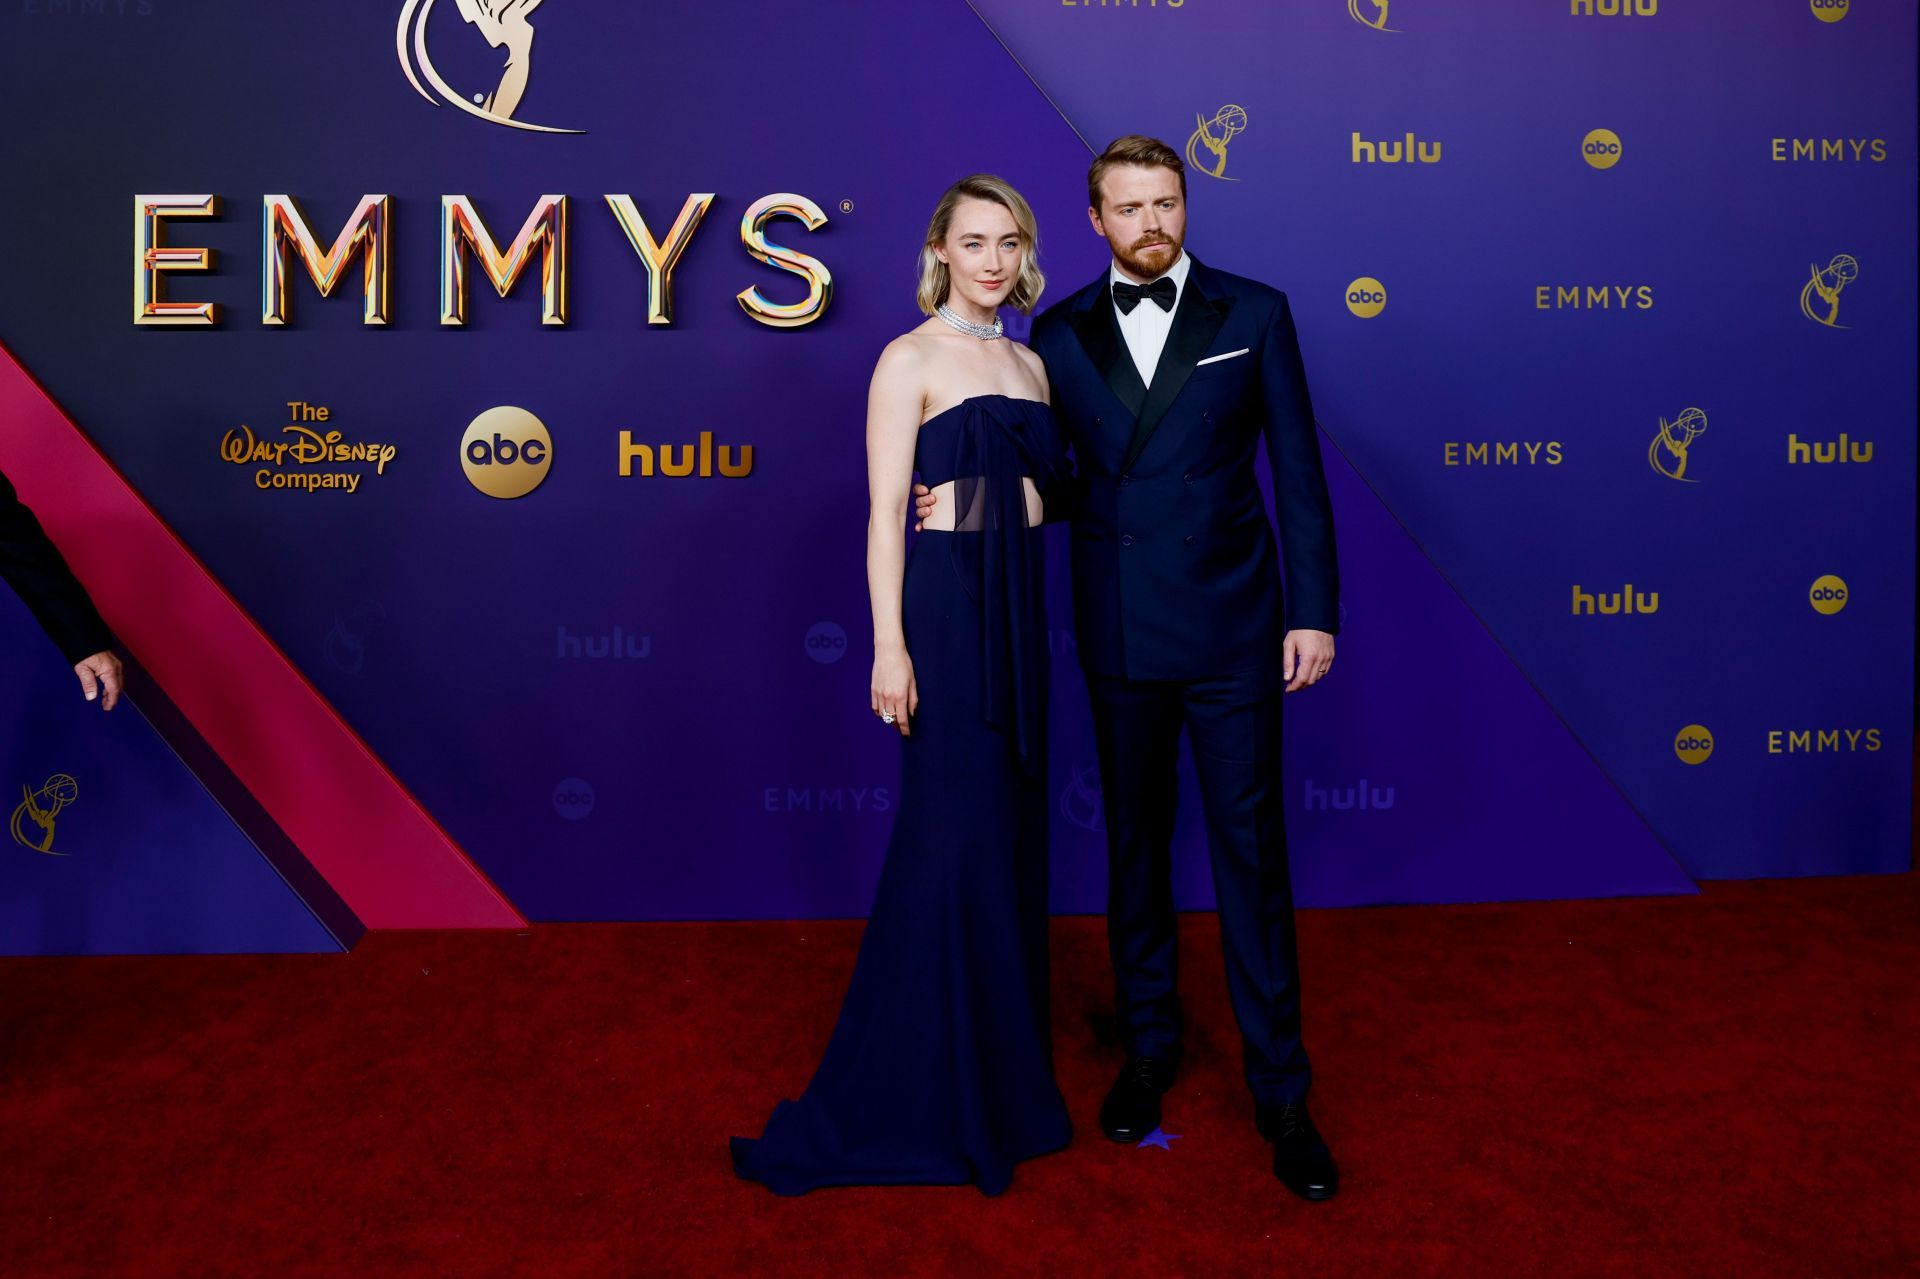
<point x="1160" y="1138"/>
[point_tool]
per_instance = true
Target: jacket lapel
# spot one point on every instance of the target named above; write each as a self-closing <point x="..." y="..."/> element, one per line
<point x="1196" y="322"/>
<point x="1099" y="334"/>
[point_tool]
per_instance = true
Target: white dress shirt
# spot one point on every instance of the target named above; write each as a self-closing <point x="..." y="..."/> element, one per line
<point x="1146" y="327"/>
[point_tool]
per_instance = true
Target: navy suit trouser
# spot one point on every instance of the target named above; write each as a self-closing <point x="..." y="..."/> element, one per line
<point x="1233" y="725"/>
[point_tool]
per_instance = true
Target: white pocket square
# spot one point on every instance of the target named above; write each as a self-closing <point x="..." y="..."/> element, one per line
<point x="1215" y="359"/>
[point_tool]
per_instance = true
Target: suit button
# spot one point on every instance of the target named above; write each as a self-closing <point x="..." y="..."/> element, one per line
<point x="1207" y="416"/>
<point x="1126" y="539"/>
<point x="1187" y="478"/>
<point x="1125" y="480"/>
<point x="1189" y="539"/>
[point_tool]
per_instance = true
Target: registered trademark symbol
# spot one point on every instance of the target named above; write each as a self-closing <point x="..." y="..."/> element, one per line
<point x="846" y="206"/>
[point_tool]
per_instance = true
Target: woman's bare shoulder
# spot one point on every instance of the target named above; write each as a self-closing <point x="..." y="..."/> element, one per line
<point x="915" y="350"/>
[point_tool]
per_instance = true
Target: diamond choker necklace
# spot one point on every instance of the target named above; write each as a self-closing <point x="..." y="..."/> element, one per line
<point x="985" y="332"/>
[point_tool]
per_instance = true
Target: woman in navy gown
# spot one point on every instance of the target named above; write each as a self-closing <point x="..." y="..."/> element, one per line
<point x="939" y="1069"/>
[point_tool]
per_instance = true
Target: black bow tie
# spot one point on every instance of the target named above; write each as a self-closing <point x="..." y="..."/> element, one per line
<point x="1127" y="296"/>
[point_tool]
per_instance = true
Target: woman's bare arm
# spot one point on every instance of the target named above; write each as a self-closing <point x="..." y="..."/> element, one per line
<point x="895" y="400"/>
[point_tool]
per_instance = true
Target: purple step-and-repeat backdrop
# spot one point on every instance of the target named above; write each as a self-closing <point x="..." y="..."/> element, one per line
<point x="1608" y="308"/>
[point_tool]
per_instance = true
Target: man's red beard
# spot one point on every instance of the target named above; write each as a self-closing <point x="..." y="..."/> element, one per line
<point x="1145" y="269"/>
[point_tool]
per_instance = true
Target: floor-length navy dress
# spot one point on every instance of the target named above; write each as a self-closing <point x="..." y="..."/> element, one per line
<point x="939" y="1070"/>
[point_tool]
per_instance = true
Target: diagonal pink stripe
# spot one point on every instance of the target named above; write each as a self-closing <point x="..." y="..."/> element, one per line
<point x="360" y="828"/>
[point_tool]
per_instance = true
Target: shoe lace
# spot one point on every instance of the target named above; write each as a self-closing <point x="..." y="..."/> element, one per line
<point x="1291" y="1121"/>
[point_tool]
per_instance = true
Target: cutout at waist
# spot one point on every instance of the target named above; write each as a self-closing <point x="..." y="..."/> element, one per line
<point x="943" y="519"/>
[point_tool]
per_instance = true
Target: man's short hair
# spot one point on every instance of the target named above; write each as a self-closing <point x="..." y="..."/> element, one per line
<point x="1138" y="150"/>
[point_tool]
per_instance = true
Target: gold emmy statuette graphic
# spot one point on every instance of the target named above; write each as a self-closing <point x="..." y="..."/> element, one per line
<point x="38" y="808"/>
<point x="1826" y="286"/>
<point x="506" y="452"/>
<point x="1230" y="120"/>
<point x="1668" y="452"/>
<point x="502" y="24"/>
<point x="1693" y="744"/>
<point x="1377" y="24"/>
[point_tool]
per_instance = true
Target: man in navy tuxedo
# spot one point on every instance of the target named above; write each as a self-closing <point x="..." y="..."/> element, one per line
<point x="1166" y="375"/>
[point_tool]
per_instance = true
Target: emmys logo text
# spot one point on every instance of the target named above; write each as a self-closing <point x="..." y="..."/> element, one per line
<point x="1501" y="453"/>
<point x="1829" y="150"/>
<point x="88" y="9"/>
<point x="1822" y="741"/>
<point x="465" y="241"/>
<point x="1593" y="297"/>
<point x="824" y="800"/>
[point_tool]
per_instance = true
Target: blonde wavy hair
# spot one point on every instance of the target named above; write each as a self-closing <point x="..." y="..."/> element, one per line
<point x="934" y="281"/>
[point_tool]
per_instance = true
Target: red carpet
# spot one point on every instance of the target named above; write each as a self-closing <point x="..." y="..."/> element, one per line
<point x="1722" y="1085"/>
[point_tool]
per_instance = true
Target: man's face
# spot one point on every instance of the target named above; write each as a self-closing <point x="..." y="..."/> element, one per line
<point x="1143" y="217"/>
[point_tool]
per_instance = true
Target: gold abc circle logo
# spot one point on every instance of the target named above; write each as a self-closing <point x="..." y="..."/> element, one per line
<point x="1366" y="297"/>
<point x="506" y="452"/>
<point x="1829" y="10"/>
<point x="1601" y="148"/>
<point x="1827" y="595"/>
<point x="1693" y="744"/>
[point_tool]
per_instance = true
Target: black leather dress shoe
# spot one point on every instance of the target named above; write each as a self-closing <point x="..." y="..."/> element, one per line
<point x="1132" y="1107"/>
<point x="1301" y="1159"/>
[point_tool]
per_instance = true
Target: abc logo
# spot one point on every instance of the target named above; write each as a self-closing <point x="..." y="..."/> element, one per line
<point x="506" y="452"/>
<point x="573" y="799"/>
<point x="826" y="642"/>
<point x="1828" y="595"/>
<point x="1829" y="10"/>
<point x="1366" y="297"/>
<point x="1693" y="745"/>
<point x="1601" y="148"/>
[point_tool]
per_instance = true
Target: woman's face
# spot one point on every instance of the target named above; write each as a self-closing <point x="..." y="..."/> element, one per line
<point x="984" y="251"/>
